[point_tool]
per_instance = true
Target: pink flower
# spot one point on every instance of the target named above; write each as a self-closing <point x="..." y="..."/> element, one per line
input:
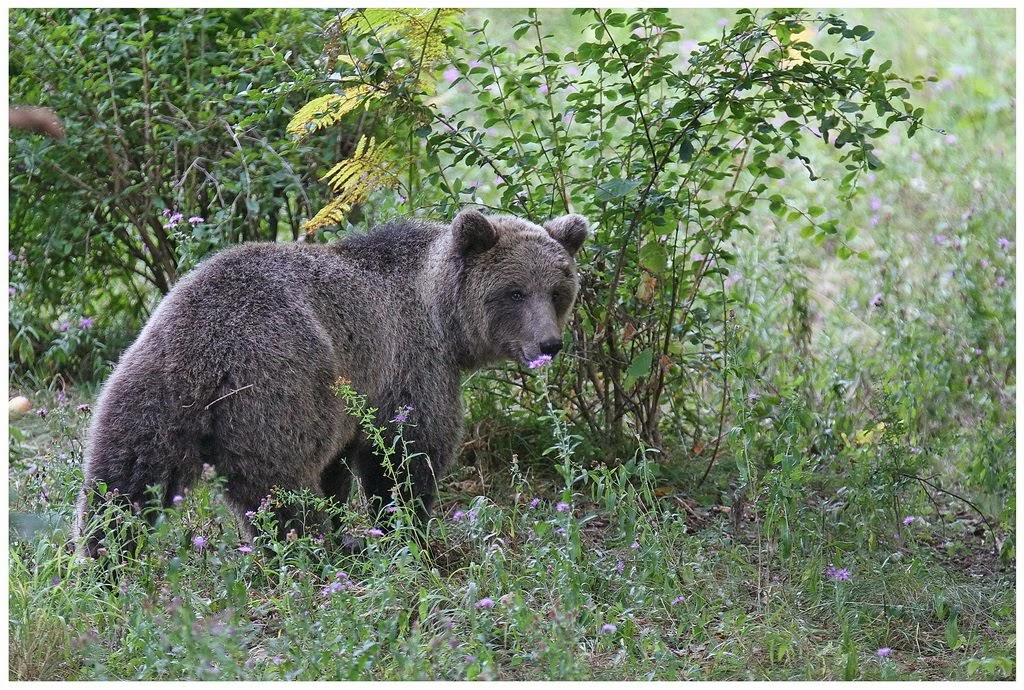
<point x="451" y="74"/>
<point x="876" y="301"/>
<point x="485" y="603"/>
<point x="541" y="361"/>
<point x="562" y="507"/>
<point x="199" y="543"/>
<point x="245" y="548"/>
<point x="884" y="652"/>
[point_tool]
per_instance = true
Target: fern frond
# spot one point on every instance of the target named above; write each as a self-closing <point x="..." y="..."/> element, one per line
<point x="331" y="214"/>
<point x="326" y="110"/>
<point x="353" y="180"/>
<point x="423" y="28"/>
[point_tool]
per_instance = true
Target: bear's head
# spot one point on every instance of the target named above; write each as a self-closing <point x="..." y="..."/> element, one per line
<point x="518" y="283"/>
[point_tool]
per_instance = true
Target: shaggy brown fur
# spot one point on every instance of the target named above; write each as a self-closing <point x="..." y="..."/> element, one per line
<point x="236" y="366"/>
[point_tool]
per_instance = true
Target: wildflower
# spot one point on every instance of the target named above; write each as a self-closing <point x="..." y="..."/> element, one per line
<point x="64" y="325"/>
<point x="678" y="600"/>
<point x="560" y="531"/>
<point x="199" y="543"/>
<point x="196" y="220"/>
<point x="562" y="507"/>
<point x="459" y="514"/>
<point x="876" y="301"/>
<point x="909" y="519"/>
<point x="469" y="658"/>
<point x="950" y="139"/>
<point x="608" y="628"/>
<point x="175" y="218"/>
<point x="42" y="412"/>
<point x="541" y="361"/>
<point x="334" y="587"/>
<point x="1000" y="281"/>
<point x="534" y="503"/>
<point x="485" y="603"/>
<point x="451" y="74"/>
<point x="244" y="548"/>
<point x="374" y="532"/>
<point x="85" y="322"/>
<point x="391" y="510"/>
<point x="939" y="239"/>
<point x="177" y="499"/>
<point x="837" y="573"/>
<point x="11" y="256"/>
<point x="620" y="567"/>
<point x="876" y="203"/>
<point x="1004" y="243"/>
<point x="403" y="415"/>
<point x="635" y="545"/>
<point x="543" y="88"/>
<point x="167" y="213"/>
<point x="884" y="652"/>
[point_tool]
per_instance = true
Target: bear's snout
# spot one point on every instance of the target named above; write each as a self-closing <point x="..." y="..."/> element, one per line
<point x="551" y="347"/>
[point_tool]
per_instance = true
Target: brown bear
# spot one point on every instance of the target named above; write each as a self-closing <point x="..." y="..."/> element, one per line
<point x="237" y="366"/>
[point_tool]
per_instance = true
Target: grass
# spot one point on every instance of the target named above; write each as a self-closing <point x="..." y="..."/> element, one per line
<point x="862" y="393"/>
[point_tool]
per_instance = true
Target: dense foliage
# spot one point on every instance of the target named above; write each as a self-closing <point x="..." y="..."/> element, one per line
<point x="161" y="165"/>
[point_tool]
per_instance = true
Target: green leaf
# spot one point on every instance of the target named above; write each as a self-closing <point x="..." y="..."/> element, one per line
<point x="641" y="364"/>
<point x="654" y="257"/>
<point x="615" y="189"/>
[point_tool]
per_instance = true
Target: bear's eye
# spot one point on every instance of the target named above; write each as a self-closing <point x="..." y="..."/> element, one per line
<point x="517" y="295"/>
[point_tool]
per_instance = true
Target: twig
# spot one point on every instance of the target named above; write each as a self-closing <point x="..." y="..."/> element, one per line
<point x="950" y="493"/>
<point x="228" y="395"/>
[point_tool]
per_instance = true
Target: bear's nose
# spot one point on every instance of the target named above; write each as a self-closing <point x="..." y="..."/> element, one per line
<point x="551" y="347"/>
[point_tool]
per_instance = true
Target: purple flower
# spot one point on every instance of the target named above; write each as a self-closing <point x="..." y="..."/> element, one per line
<point x="876" y="203"/>
<point x="175" y="219"/>
<point x="374" y="532"/>
<point x="196" y="220"/>
<point x="459" y="514"/>
<point x="42" y="412"/>
<point x="884" y="652"/>
<point x="1000" y="281"/>
<point x="485" y="603"/>
<point x="876" y="301"/>
<point x="177" y="499"/>
<point x="335" y="587"/>
<point x="86" y="322"/>
<point x="635" y="545"/>
<point x="167" y="213"/>
<point x="620" y="567"/>
<point x="403" y="415"/>
<point x="451" y="74"/>
<point x="909" y="519"/>
<point x="64" y="325"/>
<point x="543" y="88"/>
<point x="541" y="361"/>
<point x="678" y="600"/>
<point x="534" y="503"/>
<point x="245" y="548"/>
<point x="199" y="543"/>
<point x="939" y="239"/>
<point x="469" y="658"/>
<point x="837" y="573"/>
<point x="560" y="531"/>
<point x="1004" y="243"/>
<point x="950" y="139"/>
<point x="608" y="628"/>
<point x="562" y="507"/>
<point x="84" y="407"/>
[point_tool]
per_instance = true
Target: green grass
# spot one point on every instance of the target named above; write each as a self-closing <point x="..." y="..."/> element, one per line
<point x="648" y="574"/>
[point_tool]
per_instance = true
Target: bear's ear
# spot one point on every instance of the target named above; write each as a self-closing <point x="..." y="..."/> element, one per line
<point x="473" y="233"/>
<point x="570" y="231"/>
